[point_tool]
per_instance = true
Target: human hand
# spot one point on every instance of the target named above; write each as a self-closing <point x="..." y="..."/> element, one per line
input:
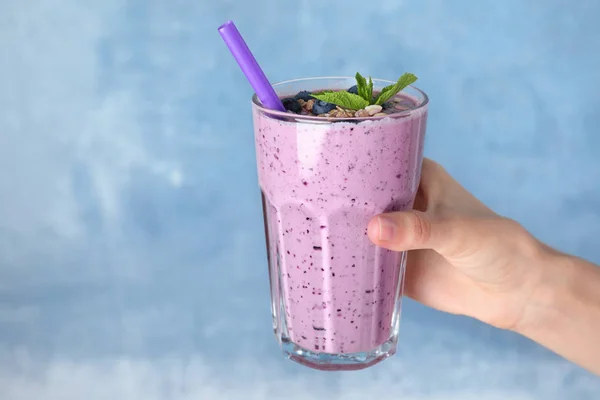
<point x="467" y="259"/>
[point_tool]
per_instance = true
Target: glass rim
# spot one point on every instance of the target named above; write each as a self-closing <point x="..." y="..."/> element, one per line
<point x="314" y="118"/>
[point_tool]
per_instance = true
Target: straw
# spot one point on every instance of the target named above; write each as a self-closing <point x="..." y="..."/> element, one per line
<point x="250" y="67"/>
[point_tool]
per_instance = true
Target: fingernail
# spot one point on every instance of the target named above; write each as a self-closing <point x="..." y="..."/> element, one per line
<point x="386" y="228"/>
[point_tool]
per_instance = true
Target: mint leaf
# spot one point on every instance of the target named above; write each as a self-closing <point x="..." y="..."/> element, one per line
<point x="361" y="84"/>
<point x="343" y="99"/>
<point x="365" y="90"/>
<point x="321" y="92"/>
<point x="390" y="91"/>
<point x="370" y="91"/>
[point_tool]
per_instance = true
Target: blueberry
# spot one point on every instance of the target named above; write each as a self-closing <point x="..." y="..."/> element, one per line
<point x="322" y="107"/>
<point x="353" y="90"/>
<point x="304" y="95"/>
<point x="292" y="105"/>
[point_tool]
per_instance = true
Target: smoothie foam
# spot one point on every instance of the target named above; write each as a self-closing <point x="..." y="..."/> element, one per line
<point x="332" y="290"/>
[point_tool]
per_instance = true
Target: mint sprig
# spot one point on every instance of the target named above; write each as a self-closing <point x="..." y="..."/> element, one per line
<point x="343" y="99"/>
<point x="365" y="93"/>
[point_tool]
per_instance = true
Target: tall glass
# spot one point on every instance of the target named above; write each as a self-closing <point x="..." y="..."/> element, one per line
<point x="336" y="298"/>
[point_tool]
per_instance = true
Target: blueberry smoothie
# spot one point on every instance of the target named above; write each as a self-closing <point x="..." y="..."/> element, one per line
<point x="324" y="172"/>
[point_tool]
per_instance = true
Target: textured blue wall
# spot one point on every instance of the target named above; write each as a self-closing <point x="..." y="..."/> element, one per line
<point x="132" y="263"/>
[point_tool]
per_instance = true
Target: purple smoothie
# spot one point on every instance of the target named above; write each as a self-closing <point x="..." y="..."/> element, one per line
<point x="333" y="291"/>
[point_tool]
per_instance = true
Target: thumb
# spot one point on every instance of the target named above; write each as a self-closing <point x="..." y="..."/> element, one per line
<point x="412" y="230"/>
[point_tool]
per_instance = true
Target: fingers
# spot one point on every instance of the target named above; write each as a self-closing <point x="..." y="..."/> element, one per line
<point x="407" y="230"/>
<point x="440" y="192"/>
<point x="446" y="218"/>
<point x="401" y="231"/>
<point x="432" y="281"/>
<point x="433" y="184"/>
<point x="413" y="230"/>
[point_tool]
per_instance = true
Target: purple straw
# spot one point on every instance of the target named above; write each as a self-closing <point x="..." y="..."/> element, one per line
<point x="250" y="67"/>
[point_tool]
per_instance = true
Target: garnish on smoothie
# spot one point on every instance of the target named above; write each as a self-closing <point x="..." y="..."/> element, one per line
<point x="358" y="101"/>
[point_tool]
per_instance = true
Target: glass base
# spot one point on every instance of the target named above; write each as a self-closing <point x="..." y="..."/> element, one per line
<point x="338" y="362"/>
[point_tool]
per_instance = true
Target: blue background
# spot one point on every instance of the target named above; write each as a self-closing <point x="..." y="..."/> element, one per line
<point x="132" y="260"/>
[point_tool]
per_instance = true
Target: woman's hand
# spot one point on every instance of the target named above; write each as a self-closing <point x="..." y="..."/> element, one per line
<point x="469" y="260"/>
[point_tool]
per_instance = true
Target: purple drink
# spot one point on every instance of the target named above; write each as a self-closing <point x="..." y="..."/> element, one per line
<point x="336" y="298"/>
